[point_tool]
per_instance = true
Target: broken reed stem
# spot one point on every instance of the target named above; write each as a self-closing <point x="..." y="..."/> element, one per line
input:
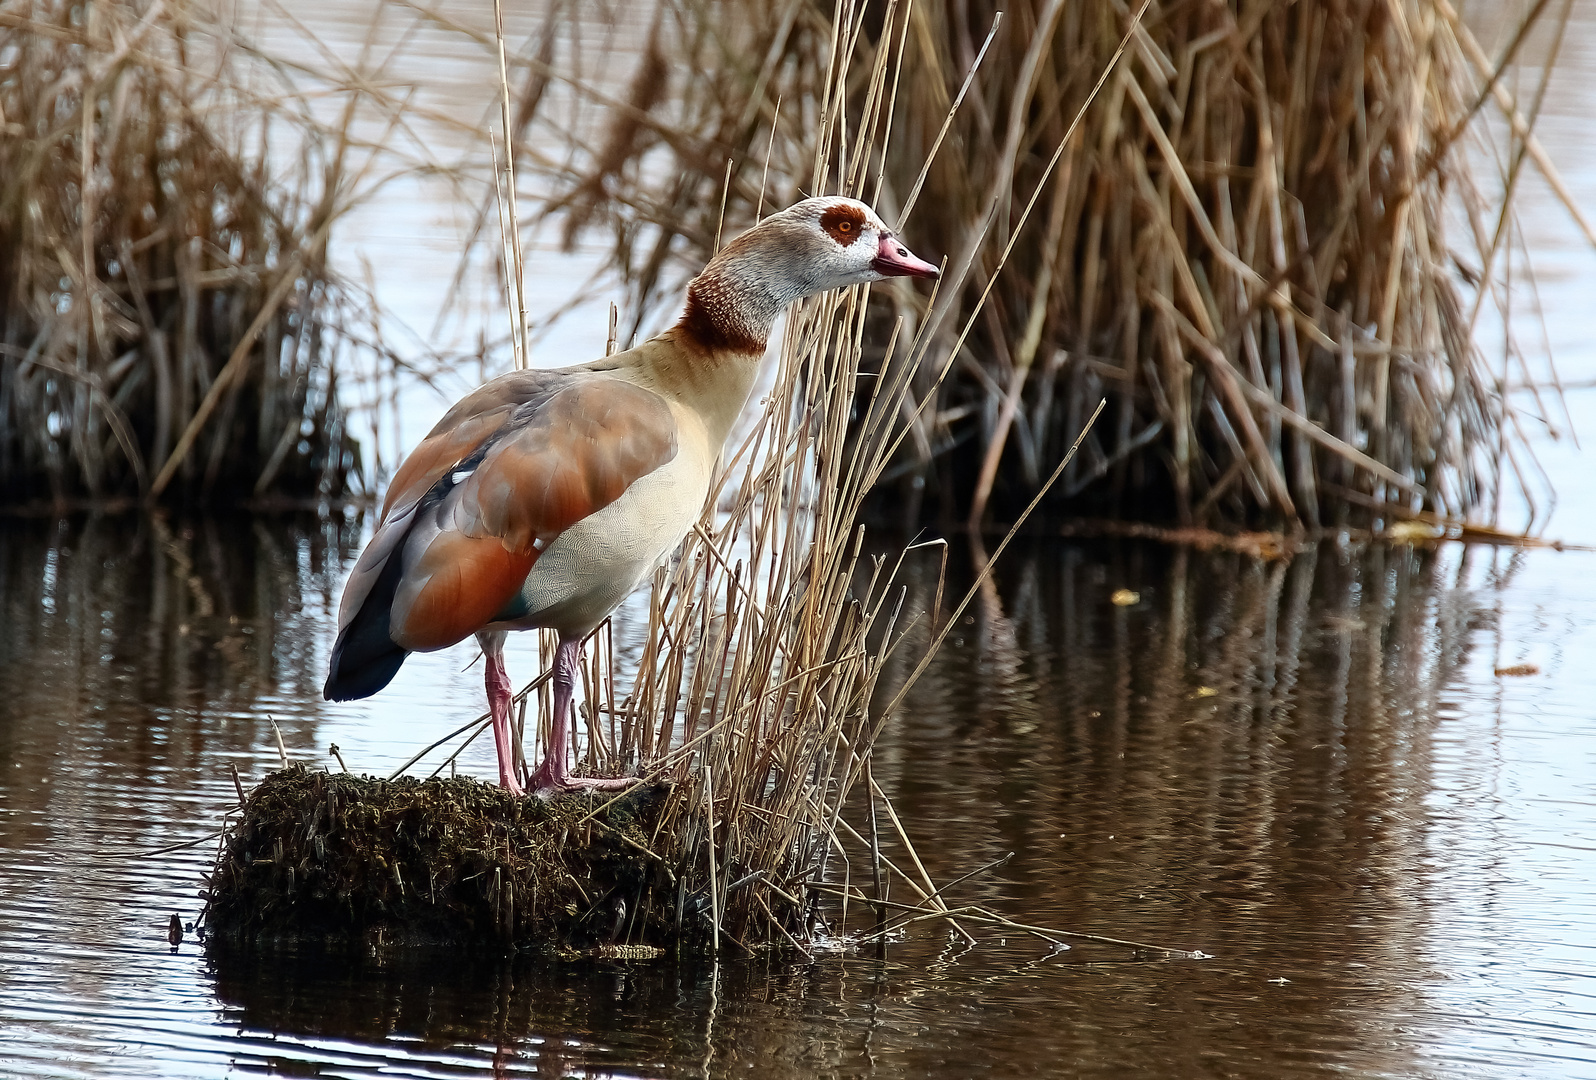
<point x="196" y="842"/>
<point x="977" y="914"/>
<point x="709" y="849"/>
<point x="480" y="723"/>
<point x="512" y="303"/>
<point x="933" y="894"/>
<point x="875" y="850"/>
<point x="282" y="751"/>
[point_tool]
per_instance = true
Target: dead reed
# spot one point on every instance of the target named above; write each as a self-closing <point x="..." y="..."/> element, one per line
<point x="165" y="306"/>
<point x="1266" y="246"/>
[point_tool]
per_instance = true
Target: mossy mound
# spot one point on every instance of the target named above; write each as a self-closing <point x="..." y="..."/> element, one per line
<point x="339" y="858"/>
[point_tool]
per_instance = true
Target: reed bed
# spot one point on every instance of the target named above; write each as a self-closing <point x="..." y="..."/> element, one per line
<point x="757" y="695"/>
<point x="1266" y="245"/>
<point x="166" y="309"/>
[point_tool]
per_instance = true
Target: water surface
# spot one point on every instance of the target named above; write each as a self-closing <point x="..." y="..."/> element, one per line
<point x="1306" y="769"/>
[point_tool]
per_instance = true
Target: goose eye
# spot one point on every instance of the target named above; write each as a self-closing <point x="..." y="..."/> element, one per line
<point x="845" y="226"/>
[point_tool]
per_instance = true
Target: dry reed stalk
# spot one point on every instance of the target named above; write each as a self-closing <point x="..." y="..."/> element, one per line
<point x="1246" y="247"/>
<point x="167" y="320"/>
<point x="509" y="213"/>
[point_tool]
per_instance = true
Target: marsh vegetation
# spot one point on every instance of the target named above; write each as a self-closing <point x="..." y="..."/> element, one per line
<point x="1268" y="245"/>
<point x="169" y="326"/>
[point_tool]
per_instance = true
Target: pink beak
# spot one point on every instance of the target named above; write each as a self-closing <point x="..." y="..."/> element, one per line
<point x="894" y="260"/>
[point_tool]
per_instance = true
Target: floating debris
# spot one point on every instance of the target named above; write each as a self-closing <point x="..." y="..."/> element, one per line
<point x="1415" y="532"/>
<point x="1125" y="598"/>
<point x="1518" y="669"/>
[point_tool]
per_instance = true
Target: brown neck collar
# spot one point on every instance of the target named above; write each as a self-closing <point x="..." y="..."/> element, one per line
<point x="712" y="319"/>
<point x="732" y="305"/>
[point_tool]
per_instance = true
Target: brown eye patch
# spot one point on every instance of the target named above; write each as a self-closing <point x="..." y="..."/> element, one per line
<point x="843" y="223"/>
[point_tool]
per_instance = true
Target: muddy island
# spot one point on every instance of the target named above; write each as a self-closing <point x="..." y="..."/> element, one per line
<point x="336" y="858"/>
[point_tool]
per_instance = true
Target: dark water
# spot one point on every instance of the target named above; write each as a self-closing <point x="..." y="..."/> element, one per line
<point x="1307" y="770"/>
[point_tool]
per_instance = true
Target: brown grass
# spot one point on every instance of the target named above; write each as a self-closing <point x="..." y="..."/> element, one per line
<point x="164" y="299"/>
<point x="1251" y="247"/>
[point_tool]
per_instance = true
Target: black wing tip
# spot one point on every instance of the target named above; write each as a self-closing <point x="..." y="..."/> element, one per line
<point x="350" y="678"/>
<point x="339" y="690"/>
<point x="367" y="679"/>
<point x="364" y="657"/>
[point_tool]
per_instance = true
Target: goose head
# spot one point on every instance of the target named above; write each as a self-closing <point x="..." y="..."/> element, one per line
<point x="836" y="242"/>
<point x="819" y="244"/>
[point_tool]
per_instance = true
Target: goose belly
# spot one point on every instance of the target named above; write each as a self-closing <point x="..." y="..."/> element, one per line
<point x="595" y="564"/>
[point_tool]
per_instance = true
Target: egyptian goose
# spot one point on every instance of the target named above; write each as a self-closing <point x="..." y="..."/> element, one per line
<point x="544" y="497"/>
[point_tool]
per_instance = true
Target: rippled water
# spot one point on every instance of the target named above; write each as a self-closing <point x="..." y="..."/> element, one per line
<point x="1306" y="769"/>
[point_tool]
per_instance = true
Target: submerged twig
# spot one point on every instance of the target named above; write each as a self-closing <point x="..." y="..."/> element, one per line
<point x="985" y="916"/>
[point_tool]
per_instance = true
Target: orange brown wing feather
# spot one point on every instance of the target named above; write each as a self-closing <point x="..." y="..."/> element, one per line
<point x="470" y="422"/>
<point x="437" y="454"/>
<point x="465" y="581"/>
<point x="553" y="463"/>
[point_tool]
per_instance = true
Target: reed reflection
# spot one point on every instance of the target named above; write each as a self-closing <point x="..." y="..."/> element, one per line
<point x="1236" y="760"/>
<point x="1284" y="706"/>
<point x="1235" y="757"/>
<point x="137" y="647"/>
<point x="526" y="1017"/>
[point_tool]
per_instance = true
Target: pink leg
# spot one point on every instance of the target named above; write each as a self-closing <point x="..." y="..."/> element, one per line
<point x="554" y="774"/>
<point x="497" y="681"/>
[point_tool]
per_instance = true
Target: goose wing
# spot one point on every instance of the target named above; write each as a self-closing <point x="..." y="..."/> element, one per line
<point x="506" y="470"/>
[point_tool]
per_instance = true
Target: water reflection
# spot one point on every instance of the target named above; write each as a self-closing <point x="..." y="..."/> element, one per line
<point x="1263" y="718"/>
<point x="422" y="1012"/>
<point x="1303" y="767"/>
<point x="1237" y="761"/>
<point x="141" y="645"/>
